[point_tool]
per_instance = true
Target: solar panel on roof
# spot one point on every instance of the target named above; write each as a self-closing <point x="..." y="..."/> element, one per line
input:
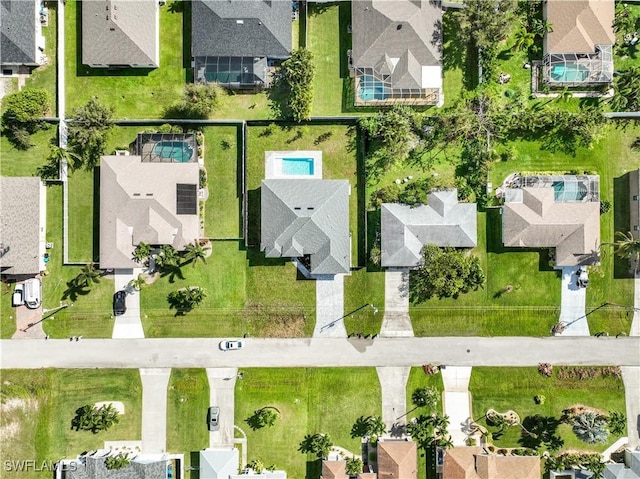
<point x="187" y="199"/>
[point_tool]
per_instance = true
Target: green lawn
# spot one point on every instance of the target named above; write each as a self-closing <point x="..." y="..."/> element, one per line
<point x="84" y="200"/>
<point x="626" y="56"/>
<point x="38" y="406"/>
<point x="364" y="287"/>
<point x="17" y="162"/>
<point x="223" y="209"/>
<point x="308" y="400"/>
<point x="45" y="76"/>
<point x="7" y="313"/>
<point x="133" y="93"/>
<point x="187" y="403"/>
<point x="515" y="388"/>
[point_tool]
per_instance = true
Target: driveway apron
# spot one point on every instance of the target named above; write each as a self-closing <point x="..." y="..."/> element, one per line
<point x="222" y="383"/>
<point x="457" y="401"/>
<point x="396" y="321"/>
<point x="572" y="306"/>
<point x="330" y="307"/>
<point x="393" y="384"/>
<point x="154" y="409"/>
<point x="129" y="324"/>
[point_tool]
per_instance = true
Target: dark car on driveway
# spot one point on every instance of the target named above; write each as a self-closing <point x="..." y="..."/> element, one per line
<point x="119" y="303"/>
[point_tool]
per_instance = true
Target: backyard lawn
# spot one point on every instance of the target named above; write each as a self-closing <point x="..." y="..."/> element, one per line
<point x="38" y="406"/>
<point x="514" y="388"/>
<point x="133" y="93"/>
<point x="17" y="162"/>
<point x="308" y="400"/>
<point x="45" y="76"/>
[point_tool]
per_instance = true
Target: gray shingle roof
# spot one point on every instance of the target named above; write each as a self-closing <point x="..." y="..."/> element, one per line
<point x="94" y="468"/>
<point x="120" y="32"/>
<point x="444" y="222"/>
<point x="20" y="199"/>
<point x="218" y="463"/>
<point x="307" y="217"/>
<point x="408" y="30"/>
<point x="18" y="32"/>
<point x="138" y="203"/>
<point x="241" y="28"/>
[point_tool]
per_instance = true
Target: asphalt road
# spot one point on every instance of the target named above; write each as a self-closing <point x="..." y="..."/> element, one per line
<point x="319" y="352"/>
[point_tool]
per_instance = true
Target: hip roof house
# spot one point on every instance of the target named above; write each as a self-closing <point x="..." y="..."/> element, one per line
<point x="23" y="222"/>
<point x="307" y="218"/>
<point x="19" y="35"/>
<point x="397" y="52"/>
<point x="232" y="41"/>
<point x="443" y="221"/>
<point x="472" y="463"/>
<point x="578" y="49"/>
<point x="120" y="33"/>
<point x="150" y="202"/>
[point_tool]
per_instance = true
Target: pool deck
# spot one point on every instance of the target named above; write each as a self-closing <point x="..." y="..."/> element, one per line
<point x="273" y="164"/>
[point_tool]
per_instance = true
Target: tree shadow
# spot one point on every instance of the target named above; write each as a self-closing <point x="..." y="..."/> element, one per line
<point x="621" y="215"/>
<point x="314" y="469"/>
<point x="173" y="272"/>
<point x="74" y="291"/>
<point x="540" y="430"/>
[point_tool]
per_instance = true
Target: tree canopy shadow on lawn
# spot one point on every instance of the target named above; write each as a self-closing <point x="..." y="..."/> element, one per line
<point x="74" y="291"/>
<point x="541" y="430"/>
<point x="314" y="469"/>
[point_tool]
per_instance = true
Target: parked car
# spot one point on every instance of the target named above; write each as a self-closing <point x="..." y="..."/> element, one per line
<point x="212" y="418"/>
<point x="119" y="303"/>
<point x="32" y="293"/>
<point x="231" y="344"/>
<point x="17" y="299"/>
<point x="583" y="277"/>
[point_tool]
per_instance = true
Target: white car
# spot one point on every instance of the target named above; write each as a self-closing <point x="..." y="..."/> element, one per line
<point x="17" y="299"/>
<point x="231" y="344"/>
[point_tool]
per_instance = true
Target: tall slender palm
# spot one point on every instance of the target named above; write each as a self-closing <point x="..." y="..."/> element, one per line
<point x="195" y="252"/>
<point x="58" y="154"/>
<point x="524" y="39"/>
<point x="626" y="246"/>
<point x="88" y="276"/>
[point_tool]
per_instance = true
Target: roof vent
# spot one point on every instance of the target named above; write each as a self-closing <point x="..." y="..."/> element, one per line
<point x="310" y="207"/>
<point x="297" y="208"/>
<point x="136" y="194"/>
<point x="239" y="22"/>
<point x="149" y="194"/>
<point x="399" y="27"/>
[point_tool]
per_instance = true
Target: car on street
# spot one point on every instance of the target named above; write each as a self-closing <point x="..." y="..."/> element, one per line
<point x="119" y="303"/>
<point x="17" y="299"/>
<point x="231" y="344"/>
<point x="213" y="417"/>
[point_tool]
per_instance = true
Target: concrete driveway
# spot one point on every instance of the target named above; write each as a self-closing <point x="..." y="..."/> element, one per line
<point x="128" y="325"/>
<point x="330" y="307"/>
<point x="154" y="409"/>
<point x="28" y="323"/>
<point x="396" y="321"/>
<point x="222" y="383"/>
<point x="457" y="402"/>
<point x="572" y="306"/>
<point x="393" y="384"/>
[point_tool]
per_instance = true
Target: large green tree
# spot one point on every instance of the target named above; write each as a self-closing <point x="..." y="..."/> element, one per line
<point x="297" y="77"/>
<point x="89" y="129"/>
<point x="318" y="444"/>
<point x="368" y="427"/>
<point x="22" y="115"/>
<point x="445" y="273"/>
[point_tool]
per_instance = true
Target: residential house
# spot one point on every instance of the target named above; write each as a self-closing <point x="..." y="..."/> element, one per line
<point x="145" y="201"/>
<point x="578" y="49"/>
<point x="142" y="466"/>
<point x="397" y="52"/>
<point x="236" y="42"/>
<point x="224" y="463"/>
<point x="23" y="223"/>
<point x="630" y="469"/>
<point x="442" y="221"/>
<point x="634" y="203"/>
<point x="120" y="33"/>
<point x="473" y="462"/>
<point x="561" y="212"/>
<point x="307" y="219"/>
<point x="21" y="39"/>
<point x="336" y="469"/>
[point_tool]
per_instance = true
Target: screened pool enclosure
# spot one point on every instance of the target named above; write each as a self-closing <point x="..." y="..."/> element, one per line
<point x="579" y="69"/>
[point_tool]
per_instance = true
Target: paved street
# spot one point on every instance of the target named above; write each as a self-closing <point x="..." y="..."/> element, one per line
<point x="320" y="352"/>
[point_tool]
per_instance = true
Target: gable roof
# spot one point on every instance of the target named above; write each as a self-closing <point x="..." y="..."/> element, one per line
<point x="537" y="221"/>
<point x="579" y="25"/>
<point x="139" y="202"/>
<point x="443" y="221"/>
<point x="20" y="201"/>
<point x="397" y="459"/>
<point x="120" y="32"/>
<point x="94" y="468"/>
<point x="241" y="28"/>
<point x="18" y="32"/>
<point x="471" y="463"/>
<point x="307" y="217"/>
<point x="334" y="470"/>
<point x="219" y="463"/>
<point x="397" y="37"/>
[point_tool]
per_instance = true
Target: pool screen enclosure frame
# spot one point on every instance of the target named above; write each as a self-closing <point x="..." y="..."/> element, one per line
<point x="147" y="153"/>
<point x="598" y="67"/>
<point x="371" y="78"/>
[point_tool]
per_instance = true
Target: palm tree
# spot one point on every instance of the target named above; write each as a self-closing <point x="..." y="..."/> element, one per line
<point x="58" y="155"/>
<point x="368" y="427"/>
<point x="167" y="256"/>
<point x="142" y="252"/>
<point x="524" y="39"/>
<point x="627" y="246"/>
<point x="590" y="427"/>
<point x="138" y="283"/>
<point x="617" y="422"/>
<point x="88" y="276"/>
<point x="195" y="252"/>
<point x="318" y="444"/>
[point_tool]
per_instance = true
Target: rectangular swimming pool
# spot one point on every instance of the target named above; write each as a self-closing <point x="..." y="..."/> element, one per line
<point x="297" y="166"/>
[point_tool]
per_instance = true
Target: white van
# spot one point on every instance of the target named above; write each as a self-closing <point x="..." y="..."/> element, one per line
<point x="32" y="293"/>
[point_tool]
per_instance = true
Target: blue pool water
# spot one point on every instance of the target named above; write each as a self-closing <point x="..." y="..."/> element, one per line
<point x="371" y="89"/>
<point x="571" y="73"/>
<point x="568" y="192"/>
<point x="297" y="166"/>
<point x="179" y="151"/>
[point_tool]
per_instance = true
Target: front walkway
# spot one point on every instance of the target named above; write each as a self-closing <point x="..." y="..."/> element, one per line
<point x="222" y="383"/>
<point x="154" y="409"/>
<point x="330" y="307"/>
<point x="396" y="321"/>
<point x="635" y="323"/>
<point x="128" y="325"/>
<point x="572" y="307"/>
<point x="457" y="402"/>
<point x="393" y="384"/>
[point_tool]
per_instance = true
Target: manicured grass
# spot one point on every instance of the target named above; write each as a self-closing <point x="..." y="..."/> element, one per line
<point x="361" y="288"/>
<point x="309" y="401"/>
<point x="133" y="93"/>
<point x="45" y="76"/>
<point x="455" y="63"/>
<point x="38" y="406"/>
<point x="17" y="162"/>
<point x="238" y="105"/>
<point x="89" y="313"/>
<point x="84" y="200"/>
<point x="187" y="403"/>
<point x="515" y="388"/>
<point x="223" y="209"/>
<point x="7" y="313"/>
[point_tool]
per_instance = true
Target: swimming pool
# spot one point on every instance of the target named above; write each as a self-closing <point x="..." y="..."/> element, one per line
<point x="569" y="73"/>
<point x="297" y="166"/>
<point x="179" y="151"/>
<point x="371" y="89"/>
<point x="567" y="192"/>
